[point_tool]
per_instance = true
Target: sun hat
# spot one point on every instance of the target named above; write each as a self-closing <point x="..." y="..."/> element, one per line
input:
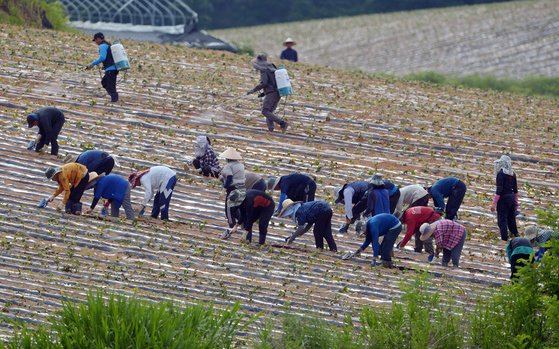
<point x="376" y="180"/>
<point x="273" y="182"/>
<point x="94" y="177"/>
<point x="287" y="204"/>
<point x="231" y="154"/>
<point x="236" y="197"/>
<point x="289" y="41"/>
<point x="531" y="232"/>
<point x="52" y="171"/>
<point x="426" y="231"/>
<point x="134" y="178"/>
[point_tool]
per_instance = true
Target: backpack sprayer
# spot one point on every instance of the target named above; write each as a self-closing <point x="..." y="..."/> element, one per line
<point x="283" y="84"/>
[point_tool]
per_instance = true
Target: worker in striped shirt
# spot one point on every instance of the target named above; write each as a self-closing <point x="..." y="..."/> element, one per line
<point x="449" y="236"/>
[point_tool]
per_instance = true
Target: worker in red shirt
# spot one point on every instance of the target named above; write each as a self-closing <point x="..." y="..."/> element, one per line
<point x="413" y="218"/>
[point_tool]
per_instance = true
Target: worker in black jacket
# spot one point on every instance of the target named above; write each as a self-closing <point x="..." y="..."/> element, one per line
<point x="50" y="121"/>
<point x="251" y="206"/>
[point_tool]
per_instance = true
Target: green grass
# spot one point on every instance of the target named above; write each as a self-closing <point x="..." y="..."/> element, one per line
<point x="122" y="322"/>
<point x="532" y="86"/>
<point x="35" y="13"/>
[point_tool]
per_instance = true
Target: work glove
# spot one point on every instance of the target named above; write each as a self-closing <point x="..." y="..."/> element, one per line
<point x="343" y="229"/>
<point x="89" y="67"/>
<point x="50" y="199"/>
<point x="350" y="255"/>
<point x="251" y="91"/>
<point x="226" y="234"/>
<point x="262" y="95"/>
<point x="398" y="245"/>
<point x="289" y="240"/>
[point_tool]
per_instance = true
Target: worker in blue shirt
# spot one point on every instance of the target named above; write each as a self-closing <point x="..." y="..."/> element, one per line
<point x="383" y="224"/>
<point x="289" y="54"/>
<point x="106" y="57"/>
<point x="115" y="189"/>
<point x="451" y="188"/>
<point x="95" y="160"/>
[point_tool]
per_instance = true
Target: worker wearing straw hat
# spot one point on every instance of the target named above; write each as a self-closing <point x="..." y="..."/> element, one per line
<point x="232" y="177"/>
<point x="289" y="54"/>
<point x="307" y="214"/>
<point x="449" y="236"/>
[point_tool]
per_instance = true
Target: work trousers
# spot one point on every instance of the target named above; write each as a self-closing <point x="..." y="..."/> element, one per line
<point x="162" y="200"/>
<point x="109" y="84"/>
<point x="506" y="217"/>
<point x="263" y="215"/>
<point x="322" y="230"/>
<point x="454" y="254"/>
<point x="269" y="105"/>
<point x="387" y="243"/>
<point x="455" y="200"/>
<point x="73" y="205"/>
<point x="517" y="261"/>
<point x="126" y="204"/>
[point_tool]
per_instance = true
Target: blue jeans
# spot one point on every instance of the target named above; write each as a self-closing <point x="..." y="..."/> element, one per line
<point x="454" y="254"/>
<point x="387" y="243"/>
<point x="162" y="200"/>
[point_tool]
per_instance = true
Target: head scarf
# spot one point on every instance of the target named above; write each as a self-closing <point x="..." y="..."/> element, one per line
<point x="200" y="146"/>
<point x="505" y="164"/>
<point x="134" y="178"/>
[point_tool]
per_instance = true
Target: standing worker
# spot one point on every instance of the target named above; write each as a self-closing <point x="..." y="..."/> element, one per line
<point x="289" y="54"/>
<point x="451" y="188"/>
<point x="50" y="121"/>
<point x="295" y="186"/>
<point x="106" y="57"/>
<point x="352" y="196"/>
<point x="72" y="179"/>
<point x="159" y="181"/>
<point x="232" y="177"/>
<point x="95" y="160"/>
<point x="307" y="214"/>
<point x="505" y="201"/>
<point x="251" y="206"/>
<point x="115" y="189"/>
<point x="270" y="94"/>
<point x="383" y="224"/>
<point x="449" y="236"/>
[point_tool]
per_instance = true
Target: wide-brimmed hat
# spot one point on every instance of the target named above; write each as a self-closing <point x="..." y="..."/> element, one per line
<point x="70" y="158"/>
<point x="272" y="182"/>
<point x="94" y="177"/>
<point x="531" y="232"/>
<point x="236" y="197"/>
<point x="231" y="154"/>
<point x="31" y="118"/>
<point x="289" y="41"/>
<point x="376" y="180"/>
<point x="426" y="231"/>
<point x="287" y="204"/>
<point x="52" y="171"/>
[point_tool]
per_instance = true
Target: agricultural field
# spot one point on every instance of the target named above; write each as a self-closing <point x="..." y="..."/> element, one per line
<point x="344" y="126"/>
<point x="515" y="39"/>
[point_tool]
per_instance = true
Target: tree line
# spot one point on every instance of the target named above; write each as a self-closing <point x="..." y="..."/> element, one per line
<point x="216" y="14"/>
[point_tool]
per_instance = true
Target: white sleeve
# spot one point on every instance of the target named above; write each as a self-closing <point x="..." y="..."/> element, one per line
<point x="148" y="190"/>
<point x="348" y="197"/>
